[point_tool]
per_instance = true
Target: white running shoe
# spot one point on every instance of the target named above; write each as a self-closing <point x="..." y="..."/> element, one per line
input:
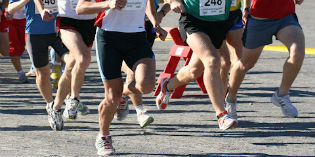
<point x="285" y="103"/>
<point x="144" y="119"/>
<point x="225" y="121"/>
<point x="54" y="117"/>
<point x="122" y="109"/>
<point x="104" y="145"/>
<point x="71" y="110"/>
<point x="163" y="98"/>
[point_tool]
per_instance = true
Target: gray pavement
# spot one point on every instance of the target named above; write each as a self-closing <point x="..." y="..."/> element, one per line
<point x="187" y="128"/>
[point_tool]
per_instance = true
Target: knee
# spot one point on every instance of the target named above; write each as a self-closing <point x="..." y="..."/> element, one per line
<point x="84" y="61"/>
<point x="245" y="66"/>
<point x="297" y="57"/>
<point x="225" y="65"/>
<point x="145" y="86"/>
<point x="112" y="99"/>
<point x="195" y="72"/>
<point x="212" y="63"/>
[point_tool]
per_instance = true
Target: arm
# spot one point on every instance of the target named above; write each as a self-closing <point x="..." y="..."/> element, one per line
<point x="88" y="7"/>
<point x="176" y="5"/>
<point x="16" y="6"/>
<point x="163" y="11"/>
<point x="151" y="13"/>
<point x="247" y="4"/>
<point x="46" y="14"/>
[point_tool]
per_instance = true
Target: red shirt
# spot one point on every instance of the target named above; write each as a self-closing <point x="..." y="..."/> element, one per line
<point x="272" y="9"/>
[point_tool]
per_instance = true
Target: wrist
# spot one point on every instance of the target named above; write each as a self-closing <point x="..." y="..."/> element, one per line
<point x="163" y="12"/>
<point x="247" y="9"/>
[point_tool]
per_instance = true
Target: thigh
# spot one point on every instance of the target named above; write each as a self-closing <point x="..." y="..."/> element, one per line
<point x="201" y="45"/>
<point x="74" y="42"/>
<point x="37" y="46"/>
<point x="113" y="89"/>
<point x="144" y="69"/>
<point x="292" y="35"/>
<point x="234" y="42"/>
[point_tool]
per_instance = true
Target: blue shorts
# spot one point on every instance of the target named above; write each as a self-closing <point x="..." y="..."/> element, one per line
<point x="259" y="32"/>
<point x="114" y="47"/>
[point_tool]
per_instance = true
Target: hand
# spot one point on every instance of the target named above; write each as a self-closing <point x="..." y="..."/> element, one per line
<point x="117" y="4"/>
<point x="245" y="15"/>
<point x="160" y="32"/>
<point x="47" y="15"/>
<point x="299" y="2"/>
<point x="178" y="7"/>
<point x="8" y="16"/>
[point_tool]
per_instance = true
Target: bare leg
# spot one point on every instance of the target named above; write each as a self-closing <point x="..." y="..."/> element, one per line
<point x="4" y="44"/>
<point x="293" y="38"/>
<point x="43" y="83"/>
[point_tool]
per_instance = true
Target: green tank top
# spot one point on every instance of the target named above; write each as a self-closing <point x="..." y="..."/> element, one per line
<point x="208" y="10"/>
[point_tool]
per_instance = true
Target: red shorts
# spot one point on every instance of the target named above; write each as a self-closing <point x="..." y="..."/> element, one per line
<point x="3" y="23"/>
<point x="17" y="36"/>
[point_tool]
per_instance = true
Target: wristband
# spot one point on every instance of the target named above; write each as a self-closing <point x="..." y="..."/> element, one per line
<point x="246" y="9"/>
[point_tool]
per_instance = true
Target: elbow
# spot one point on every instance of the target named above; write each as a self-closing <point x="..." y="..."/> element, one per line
<point x="79" y="10"/>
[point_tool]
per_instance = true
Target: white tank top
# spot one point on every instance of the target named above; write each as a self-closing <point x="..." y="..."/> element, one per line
<point x="130" y="19"/>
<point x="66" y="8"/>
<point x="19" y="14"/>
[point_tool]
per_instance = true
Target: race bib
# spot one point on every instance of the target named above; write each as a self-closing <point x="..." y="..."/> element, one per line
<point x="49" y="4"/>
<point x="234" y="3"/>
<point x="134" y="5"/>
<point x="212" y="7"/>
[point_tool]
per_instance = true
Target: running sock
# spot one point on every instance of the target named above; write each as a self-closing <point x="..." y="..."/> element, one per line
<point x="139" y="108"/>
<point x="280" y="95"/>
<point x="230" y="101"/>
<point x="101" y="135"/>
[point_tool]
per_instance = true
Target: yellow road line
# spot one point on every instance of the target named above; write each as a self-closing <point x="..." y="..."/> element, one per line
<point x="310" y="51"/>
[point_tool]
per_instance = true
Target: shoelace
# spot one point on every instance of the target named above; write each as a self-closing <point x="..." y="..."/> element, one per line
<point x="106" y="143"/>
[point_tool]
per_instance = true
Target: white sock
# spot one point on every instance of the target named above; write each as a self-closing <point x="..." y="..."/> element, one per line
<point x="139" y="108"/>
<point x="101" y="135"/>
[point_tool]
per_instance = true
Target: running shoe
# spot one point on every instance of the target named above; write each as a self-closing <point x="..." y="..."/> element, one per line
<point x="104" y="145"/>
<point x="23" y="78"/>
<point x="225" y="121"/>
<point x="54" y="117"/>
<point x="30" y="74"/>
<point x="285" y="103"/>
<point x="122" y="109"/>
<point x="71" y="109"/>
<point x="144" y="119"/>
<point x="162" y="99"/>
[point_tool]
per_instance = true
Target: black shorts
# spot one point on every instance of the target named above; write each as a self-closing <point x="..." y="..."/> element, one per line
<point x="216" y="30"/>
<point x="114" y="47"/>
<point x="151" y="35"/>
<point x="37" y="46"/>
<point x="235" y="20"/>
<point x="84" y="27"/>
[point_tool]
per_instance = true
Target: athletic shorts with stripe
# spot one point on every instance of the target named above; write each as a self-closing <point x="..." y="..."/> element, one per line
<point x="259" y="32"/>
<point x="37" y="46"/>
<point x="216" y="30"/>
<point x="84" y="27"/>
<point x="114" y="47"/>
<point x="235" y="20"/>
